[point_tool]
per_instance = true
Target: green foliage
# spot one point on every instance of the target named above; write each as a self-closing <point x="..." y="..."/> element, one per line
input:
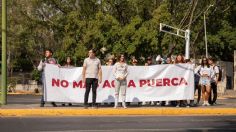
<point x="35" y="75"/>
<point x="73" y="27"/>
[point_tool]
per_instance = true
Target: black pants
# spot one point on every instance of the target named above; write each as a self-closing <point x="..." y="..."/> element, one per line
<point x="94" y="83"/>
<point x="199" y="92"/>
<point x="214" y="90"/>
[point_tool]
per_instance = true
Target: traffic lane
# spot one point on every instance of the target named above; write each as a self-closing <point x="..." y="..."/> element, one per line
<point x="119" y="123"/>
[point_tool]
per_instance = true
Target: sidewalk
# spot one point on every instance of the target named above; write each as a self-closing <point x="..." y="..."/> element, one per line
<point x="28" y="105"/>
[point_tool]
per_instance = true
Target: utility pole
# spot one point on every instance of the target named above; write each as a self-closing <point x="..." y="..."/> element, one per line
<point x="4" y="53"/>
<point x="205" y="30"/>
<point x="180" y="33"/>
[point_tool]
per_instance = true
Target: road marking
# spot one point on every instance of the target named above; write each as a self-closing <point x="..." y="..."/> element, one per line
<point x="117" y="112"/>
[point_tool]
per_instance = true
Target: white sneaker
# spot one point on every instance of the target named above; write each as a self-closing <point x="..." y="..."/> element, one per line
<point x="167" y="103"/>
<point x="207" y="104"/>
<point x="152" y="103"/>
<point x="143" y="103"/>
<point x="124" y="105"/>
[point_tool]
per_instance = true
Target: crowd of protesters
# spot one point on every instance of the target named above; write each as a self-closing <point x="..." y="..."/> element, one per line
<point x="206" y="77"/>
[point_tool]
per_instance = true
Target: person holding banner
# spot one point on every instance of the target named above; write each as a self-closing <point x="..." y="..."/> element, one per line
<point x="92" y="75"/>
<point x="50" y="60"/>
<point x="110" y="62"/>
<point x="120" y="73"/>
<point x="180" y="59"/>
<point x="68" y="64"/>
<point x="134" y="61"/>
<point x="149" y="63"/>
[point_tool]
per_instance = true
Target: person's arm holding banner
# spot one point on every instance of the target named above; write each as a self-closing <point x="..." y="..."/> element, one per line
<point x="41" y="65"/>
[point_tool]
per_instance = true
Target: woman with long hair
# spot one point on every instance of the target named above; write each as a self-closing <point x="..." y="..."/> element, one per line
<point x="68" y="64"/>
<point x="120" y="72"/>
<point x="110" y="62"/>
<point x="206" y="73"/>
<point x="180" y="59"/>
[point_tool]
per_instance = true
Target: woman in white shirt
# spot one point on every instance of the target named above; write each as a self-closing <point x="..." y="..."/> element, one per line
<point x="120" y="73"/>
<point x="205" y="72"/>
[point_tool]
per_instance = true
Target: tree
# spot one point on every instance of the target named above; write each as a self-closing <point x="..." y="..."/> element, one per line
<point x="73" y="27"/>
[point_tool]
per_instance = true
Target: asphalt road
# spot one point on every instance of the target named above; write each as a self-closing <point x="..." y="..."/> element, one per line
<point x="113" y="123"/>
<point x="119" y="124"/>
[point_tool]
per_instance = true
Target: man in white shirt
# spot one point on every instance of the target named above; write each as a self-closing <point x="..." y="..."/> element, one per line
<point x="49" y="60"/>
<point x="92" y="75"/>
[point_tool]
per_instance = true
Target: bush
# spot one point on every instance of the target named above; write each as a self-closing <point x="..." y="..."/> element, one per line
<point x="11" y="84"/>
<point x="35" y="75"/>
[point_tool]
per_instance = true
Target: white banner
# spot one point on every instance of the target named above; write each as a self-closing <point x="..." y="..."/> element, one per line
<point x="144" y="83"/>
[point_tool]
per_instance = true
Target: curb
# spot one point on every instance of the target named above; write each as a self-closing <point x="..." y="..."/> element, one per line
<point x="117" y="112"/>
<point x="19" y="93"/>
<point x="39" y="94"/>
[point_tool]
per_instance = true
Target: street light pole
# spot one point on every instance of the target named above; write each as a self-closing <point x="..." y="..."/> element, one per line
<point x="205" y="35"/>
<point x="205" y="30"/>
<point x="179" y="32"/>
<point x="4" y="53"/>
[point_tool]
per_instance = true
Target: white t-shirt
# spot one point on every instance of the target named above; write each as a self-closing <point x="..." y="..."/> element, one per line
<point x="92" y="67"/>
<point x="216" y="71"/>
<point x="120" y="70"/>
<point x="204" y="70"/>
<point x="207" y="72"/>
